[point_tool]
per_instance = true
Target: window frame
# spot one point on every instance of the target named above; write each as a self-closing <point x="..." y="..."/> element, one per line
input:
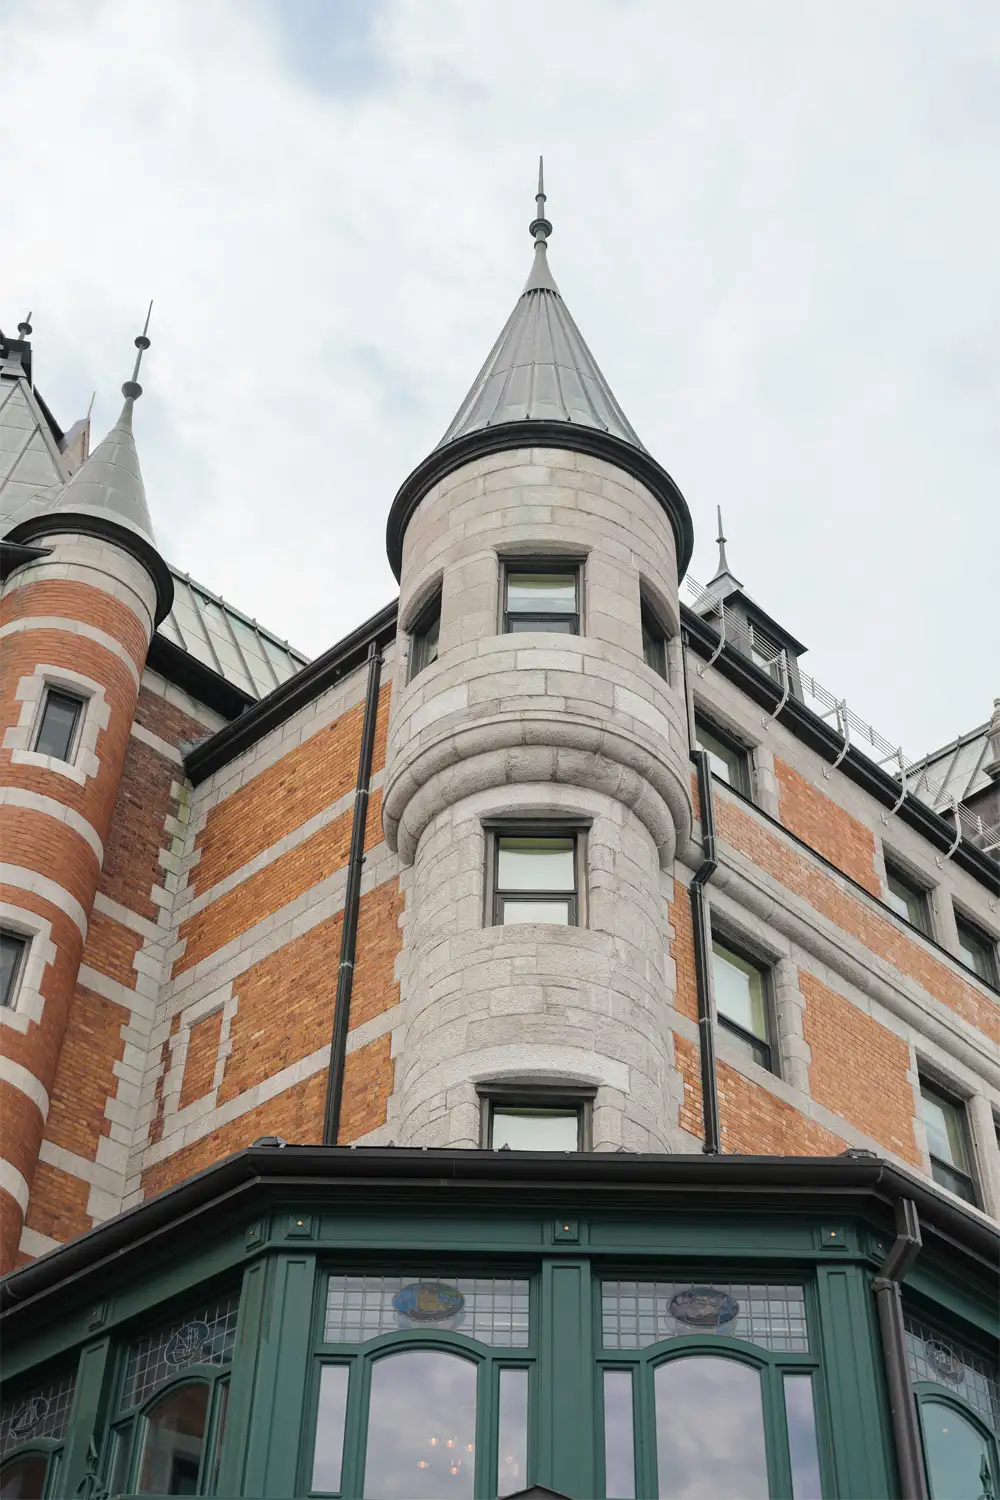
<point x="652" y="626"/>
<point x="895" y="871"/>
<point x="926" y="1393"/>
<point x="742" y="753"/>
<point x="490" y="1361"/>
<point x="985" y="941"/>
<point x="499" y="828"/>
<point x="929" y="1084"/>
<point x="767" y="1044"/>
<point x="130" y="1429"/>
<point x="50" y="1450"/>
<point x="514" y="1095"/>
<point x="536" y="564"/>
<point x="9" y="1000"/>
<point x="81" y="701"/>
<point x="424" y="619"/>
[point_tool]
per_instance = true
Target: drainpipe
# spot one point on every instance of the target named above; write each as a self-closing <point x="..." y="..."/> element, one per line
<point x="352" y="902"/>
<point x="704" y="982"/>
<point x="888" y="1299"/>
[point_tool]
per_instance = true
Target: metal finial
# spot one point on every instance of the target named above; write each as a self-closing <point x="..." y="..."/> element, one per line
<point x="132" y="389"/>
<point x="540" y="228"/>
<point x="25" y="329"/>
<point x="723" y="563"/>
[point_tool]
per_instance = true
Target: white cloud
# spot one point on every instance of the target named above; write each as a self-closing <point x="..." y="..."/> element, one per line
<point x="776" y="225"/>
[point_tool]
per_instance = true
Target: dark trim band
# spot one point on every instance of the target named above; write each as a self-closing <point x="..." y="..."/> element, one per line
<point x="54" y="523"/>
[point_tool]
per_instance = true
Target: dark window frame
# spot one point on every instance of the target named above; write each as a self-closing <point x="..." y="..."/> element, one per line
<point x="496" y="829"/>
<point x="895" y="871"/>
<point x="418" y="633"/>
<point x="655" y="638"/>
<point x="536" y="564"/>
<point x="743" y="784"/>
<point x="766" y="1045"/>
<point x="8" y="1001"/>
<point x="540" y="1096"/>
<point x="79" y="701"/>
<point x="982" y="939"/>
<point x="946" y="1174"/>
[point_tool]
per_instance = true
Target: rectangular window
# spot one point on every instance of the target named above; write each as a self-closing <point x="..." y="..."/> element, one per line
<point x="947" y="1141"/>
<point x="741" y="1001"/>
<point x="906" y="898"/>
<point x="542" y="596"/>
<point x="424" y="637"/>
<point x="530" y="1127"/>
<point x="13" y="952"/>
<point x="729" y="760"/>
<point x="61" y="714"/>
<point x="977" y="950"/>
<point x="654" y="642"/>
<point x="619" y="1436"/>
<point x="535" y="878"/>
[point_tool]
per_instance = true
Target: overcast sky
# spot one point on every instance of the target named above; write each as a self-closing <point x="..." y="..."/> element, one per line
<point x="775" y="223"/>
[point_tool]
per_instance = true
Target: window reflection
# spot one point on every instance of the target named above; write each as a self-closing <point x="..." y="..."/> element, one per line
<point x="956" y="1453"/>
<point x="421" y="1427"/>
<point x="803" y="1451"/>
<point x="24" y="1479"/>
<point x="330" y="1418"/>
<point x="174" y="1439"/>
<point x="619" y="1436"/>
<point x="512" y="1432"/>
<point x="709" y="1430"/>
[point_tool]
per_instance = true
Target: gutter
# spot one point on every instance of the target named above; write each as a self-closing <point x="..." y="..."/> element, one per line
<point x="704" y="979"/>
<point x="888" y="1300"/>
<point x="352" y="904"/>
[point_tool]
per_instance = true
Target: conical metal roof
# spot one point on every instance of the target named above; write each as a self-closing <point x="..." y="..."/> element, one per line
<point x="540" y="368"/>
<point x="109" y="483"/>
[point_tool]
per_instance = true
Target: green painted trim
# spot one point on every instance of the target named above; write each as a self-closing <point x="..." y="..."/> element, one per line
<point x="863" y="1462"/>
<point x="280" y="1381"/>
<point x="88" y="1414"/>
<point x="236" y="1437"/>
<point x="563" y="1461"/>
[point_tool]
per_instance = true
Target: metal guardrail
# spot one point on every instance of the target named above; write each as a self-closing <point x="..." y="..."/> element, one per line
<point x="857" y="733"/>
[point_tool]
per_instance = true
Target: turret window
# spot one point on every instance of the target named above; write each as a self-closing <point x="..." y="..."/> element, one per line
<point x="541" y="596"/>
<point x="654" y="642"/>
<point x="424" y="637"/>
<point x="13" y="954"/>
<point x="535" y="876"/>
<point x="58" y="725"/>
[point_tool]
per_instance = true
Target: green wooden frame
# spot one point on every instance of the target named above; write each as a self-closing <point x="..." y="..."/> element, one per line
<point x="51" y="1449"/>
<point x="926" y="1392"/>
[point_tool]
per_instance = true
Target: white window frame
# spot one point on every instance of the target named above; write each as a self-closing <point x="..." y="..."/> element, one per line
<point x="28" y="1001"/>
<point x="32" y="692"/>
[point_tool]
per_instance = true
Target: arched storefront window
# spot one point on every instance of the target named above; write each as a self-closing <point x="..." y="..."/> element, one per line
<point x="709" y="1390"/>
<point x="33" y="1424"/>
<point x="423" y="1388"/>
<point x="958" y="1397"/>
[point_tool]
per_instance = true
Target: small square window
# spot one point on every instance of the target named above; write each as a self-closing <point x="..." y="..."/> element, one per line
<point x="542" y="596"/>
<point x="730" y="761"/>
<point x="741" y="1001"/>
<point x="424" y="637"/>
<point x="13" y="954"/>
<point x="947" y="1140"/>
<point x="58" y="725"/>
<point x="535" y="877"/>
<point x="654" y="642"/>
<point x="528" y="1127"/>
<point x="906" y="898"/>
<point x="977" y="950"/>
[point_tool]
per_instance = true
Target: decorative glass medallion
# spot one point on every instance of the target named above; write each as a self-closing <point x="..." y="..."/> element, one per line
<point x="189" y="1345"/>
<point x="636" y="1314"/>
<point x="207" y="1338"/>
<point x="947" y="1362"/>
<point x="42" y="1412"/>
<point x="428" y="1302"/>
<point x="491" y="1309"/>
<point x="703" y="1307"/>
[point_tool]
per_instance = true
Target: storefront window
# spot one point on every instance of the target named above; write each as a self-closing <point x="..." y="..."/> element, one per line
<point x="24" y="1478"/>
<point x="709" y="1430"/>
<point x="35" y="1417"/>
<point x="958" y="1452"/>
<point x="173" y="1442"/>
<point x="959" y="1400"/>
<point x="421" y="1427"/>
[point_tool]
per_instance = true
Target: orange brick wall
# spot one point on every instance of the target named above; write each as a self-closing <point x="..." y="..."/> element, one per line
<point x="368" y="1080"/>
<point x="858" y="1068"/>
<point x="202" y="1054"/>
<point x="131" y="855"/>
<point x="85" y="1078"/>
<point x="682" y="952"/>
<point x="826" y="827"/>
<point x="58" y="1205"/>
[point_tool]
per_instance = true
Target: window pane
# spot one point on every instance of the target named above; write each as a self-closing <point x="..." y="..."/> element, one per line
<point x="525" y="1129"/>
<point x="557" y="625"/>
<point x="24" y="1479"/>
<point x="709" y="1430"/>
<point x="328" y="1455"/>
<point x="60" y="716"/>
<point x="619" y="1436"/>
<point x="955" y="1453"/>
<point x="905" y="899"/>
<point x="421" y="1427"/>
<point x="739" y="990"/>
<point x="955" y="1182"/>
<point x="556" y="913"/>
<point x="536" y="864"/>
<point x="512" y="1432"/>
<point x="172" y="1447"/>
<point x="945" y="1135"/>
<point x="12" y="950"/>
<point x="654" y="649"/>
<point x="803" y="1449"/>
<point x="725" y="760"/>
<point x="541" y="593"/>
<point x="978" y="952"/>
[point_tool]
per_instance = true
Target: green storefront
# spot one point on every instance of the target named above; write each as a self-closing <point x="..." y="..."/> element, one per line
<point x="390" y="1323"/>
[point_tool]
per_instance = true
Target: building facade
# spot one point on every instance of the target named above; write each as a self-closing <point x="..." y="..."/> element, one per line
<point x="546" y="1041"/>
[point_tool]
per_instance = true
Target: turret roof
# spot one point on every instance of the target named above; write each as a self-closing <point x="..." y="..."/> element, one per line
<point x="109" y="483"/>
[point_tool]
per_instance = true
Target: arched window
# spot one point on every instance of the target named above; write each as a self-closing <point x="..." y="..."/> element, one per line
<point x="710" y="1428"/>
<point x="33" y="1424"/>
<point x="24" y="1477"/>
<point x="421" y="1426"/>
<point x="173" y="1441"/>
<point x="958" y="1397"/>
<point x="960" y="1453"/>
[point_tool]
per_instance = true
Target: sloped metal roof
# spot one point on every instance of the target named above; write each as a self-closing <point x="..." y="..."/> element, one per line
<point x="227" y="641"/>
<point x="958" y="770"/>
<point x="31" y="465"/>
<point x="540" y="369"/>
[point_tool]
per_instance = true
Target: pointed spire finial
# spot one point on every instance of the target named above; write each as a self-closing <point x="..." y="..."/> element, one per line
<point x="25" y="329"/>
<point x="540" y="228"/>
<point x="721" y="539"/>
<point x="132" y="390"/>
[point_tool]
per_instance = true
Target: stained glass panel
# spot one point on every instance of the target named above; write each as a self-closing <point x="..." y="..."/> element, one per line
<point x="37" y="1411"/>
<point x="495" y="1311"/>
<point x="204" y="1337"/>
<point x="947" y="1363"/>
<point x="636" y="1314"/>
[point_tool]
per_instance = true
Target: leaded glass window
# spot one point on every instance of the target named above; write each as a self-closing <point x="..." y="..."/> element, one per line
<point x="494" y="1311"/>
<point x="39" y="1411"/>
<point x="206" y="1336"/>
<point x="945" y="1362"/>
<point x="635" y="1314"/>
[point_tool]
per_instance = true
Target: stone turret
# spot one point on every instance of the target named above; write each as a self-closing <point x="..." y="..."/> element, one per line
<point x="538" y="696"/>
<point x="85" y="588"/>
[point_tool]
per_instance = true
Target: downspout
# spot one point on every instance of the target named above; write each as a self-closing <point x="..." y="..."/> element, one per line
<point x="352" y="902"/>
<point x="703" y="956"/>
<point x="888" y="1299"/>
